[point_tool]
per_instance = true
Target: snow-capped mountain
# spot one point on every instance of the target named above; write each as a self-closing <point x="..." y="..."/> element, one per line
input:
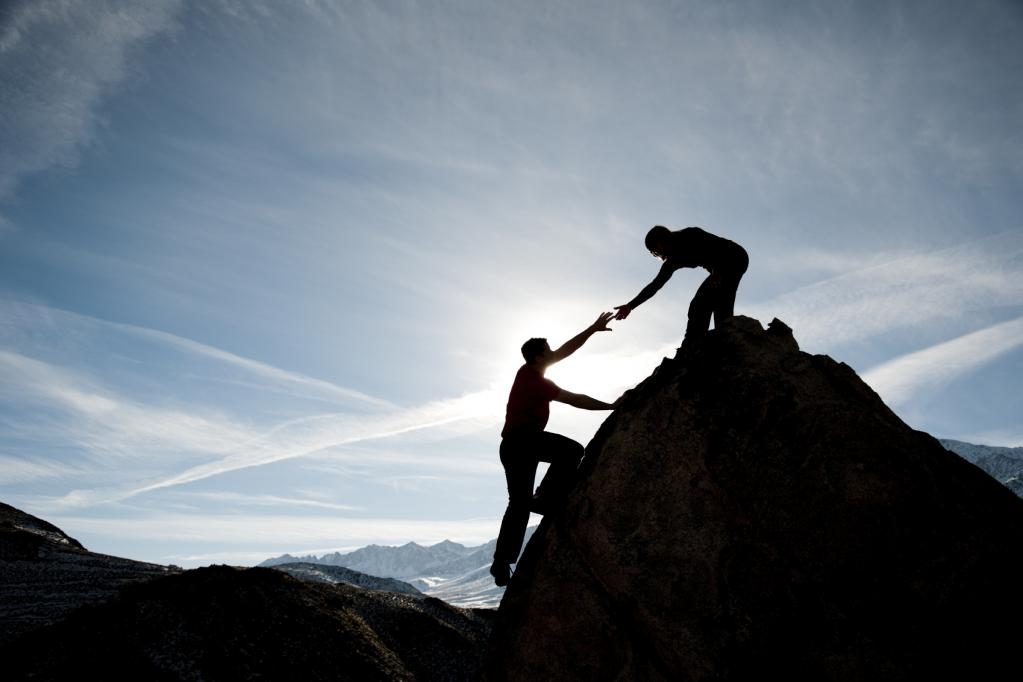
<point x="448" y="570"/>
<point x="1002" y="463"/>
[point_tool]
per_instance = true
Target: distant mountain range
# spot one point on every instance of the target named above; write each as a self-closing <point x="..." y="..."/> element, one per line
<point x="448" y="570"/>
<point x="1003" y="464"/>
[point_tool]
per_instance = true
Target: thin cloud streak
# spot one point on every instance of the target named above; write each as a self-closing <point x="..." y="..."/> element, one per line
<point x="31" y="316"/>
<point x="105" y="423"/>
<point x="941" y="285"/>
<point x="254" y="366"/>
<point x="900" y="380"/>
<point x="332" y="431"/>
<point x="265" y="500"/>
<point x="15" y="470"/>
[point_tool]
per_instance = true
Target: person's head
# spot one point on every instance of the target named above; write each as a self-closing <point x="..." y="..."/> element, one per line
<point x="535" y="351"/>
<point x="657" y="241"/>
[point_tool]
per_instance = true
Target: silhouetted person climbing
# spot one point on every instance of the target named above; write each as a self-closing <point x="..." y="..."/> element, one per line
<point x="524" y="443"/>
<point x="693" y="247"/>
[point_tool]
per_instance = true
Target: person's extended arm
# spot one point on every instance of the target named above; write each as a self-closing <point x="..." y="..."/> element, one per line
<point x="576" y="342"/>
<point x="583" y="402"/>
<point x="663" y="275"/>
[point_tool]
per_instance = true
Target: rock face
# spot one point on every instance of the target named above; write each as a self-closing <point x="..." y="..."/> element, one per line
<point x="752" y="512"/>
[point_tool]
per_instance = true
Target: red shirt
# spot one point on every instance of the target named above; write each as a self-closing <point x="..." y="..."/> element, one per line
<point x="529" y="403"/>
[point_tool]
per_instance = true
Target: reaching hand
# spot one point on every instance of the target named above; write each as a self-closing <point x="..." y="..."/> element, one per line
<point x="601" y="324"/>
<point x="623" y="311"/>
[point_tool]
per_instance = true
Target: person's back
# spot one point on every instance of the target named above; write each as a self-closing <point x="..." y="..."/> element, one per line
<point x="528" y="402"/>
<point x="694" y="247"/>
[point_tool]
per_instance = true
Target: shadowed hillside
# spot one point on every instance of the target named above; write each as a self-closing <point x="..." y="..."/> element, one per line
<point x="67" y="613"/>
<point x="223" y="623"/>
<point x="45" y="574"/>
<point x="752" y="512"/>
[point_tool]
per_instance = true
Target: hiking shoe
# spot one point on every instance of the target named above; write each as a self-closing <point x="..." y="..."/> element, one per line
<point x="501" y="571"/>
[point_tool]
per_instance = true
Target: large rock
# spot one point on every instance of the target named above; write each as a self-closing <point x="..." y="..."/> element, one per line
<point x="751" y="512"/>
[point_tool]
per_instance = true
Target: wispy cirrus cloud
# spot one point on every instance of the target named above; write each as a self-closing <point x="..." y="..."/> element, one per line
<point x="901" y="379"/>
<point x="306" y="436"/>
<point x="16" y="470"/>
<point x="944" y="285"/>
<point x="51" y="97"/>
<point x="102" y="422"/>
<point x="32" y="317"/>
<point x="236" y="499"/>
<point x="76" y="409"/>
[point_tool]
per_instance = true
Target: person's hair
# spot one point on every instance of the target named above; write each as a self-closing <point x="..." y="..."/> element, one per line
<point x="657" y="235"/>
<point x="533" y="349"/>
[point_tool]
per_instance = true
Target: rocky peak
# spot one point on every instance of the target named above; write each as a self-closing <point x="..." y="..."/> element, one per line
<point x="25" y="536"/>
<point x="753" y="511"/>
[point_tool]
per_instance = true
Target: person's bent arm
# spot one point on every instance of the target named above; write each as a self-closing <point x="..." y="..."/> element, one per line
<point x="576" y="342"/>
<point x="583" y="402"/>
<point x="663" y="275"/>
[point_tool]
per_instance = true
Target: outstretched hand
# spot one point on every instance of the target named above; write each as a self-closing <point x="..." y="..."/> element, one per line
<point x="623" y="311"/>
<point x="601" y="324"/>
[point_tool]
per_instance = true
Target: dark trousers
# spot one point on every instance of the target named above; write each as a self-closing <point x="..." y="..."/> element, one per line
<point x="520" y="456"/>
<point x="716" y="296"/>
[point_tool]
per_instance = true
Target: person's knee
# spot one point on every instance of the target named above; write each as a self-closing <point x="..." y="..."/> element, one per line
<point x="699" y="318"/>
<point x="519" y="503"/>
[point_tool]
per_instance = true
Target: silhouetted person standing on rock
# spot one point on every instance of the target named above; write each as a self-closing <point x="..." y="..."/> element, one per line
<point x="524" y="443"/>
<point x="694" y="247"/>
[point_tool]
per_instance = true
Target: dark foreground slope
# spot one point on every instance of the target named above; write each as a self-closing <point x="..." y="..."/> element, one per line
<point x="755" y="512"/>
<point x="45" y="574"/>
<point x="67" y="613"/>
<point x="223" y="623"/>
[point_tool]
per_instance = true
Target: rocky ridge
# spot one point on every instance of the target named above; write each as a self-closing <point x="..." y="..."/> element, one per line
<point x="752" y="511"/>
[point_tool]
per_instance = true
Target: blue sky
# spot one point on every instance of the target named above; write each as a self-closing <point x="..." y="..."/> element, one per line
<point x="265" y="267"/>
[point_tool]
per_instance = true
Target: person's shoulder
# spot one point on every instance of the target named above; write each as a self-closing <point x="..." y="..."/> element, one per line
<point x="522" y="372"/>
<point x="527" y="373"/>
